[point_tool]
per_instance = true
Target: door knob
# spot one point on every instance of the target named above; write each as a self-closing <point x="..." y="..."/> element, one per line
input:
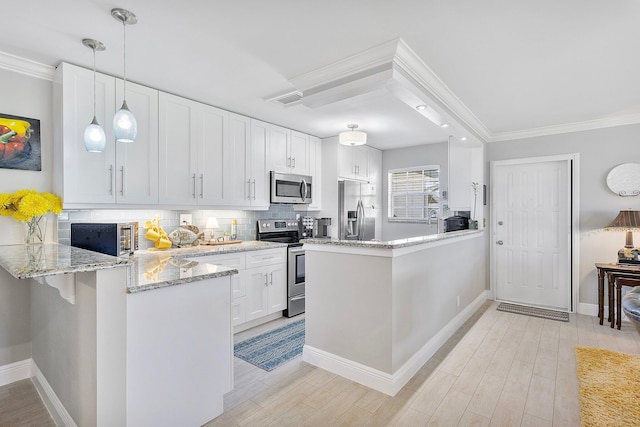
<point x="500" y="242"/>
<point x="500" y="223"/>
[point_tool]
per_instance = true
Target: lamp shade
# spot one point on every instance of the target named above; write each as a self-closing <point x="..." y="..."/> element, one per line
<point x="625" y="220"/>
<point x="352" y="137"/>
<point x="212" y="222"/>
<point x="95" y="140"/>
<point x="125" y="126"/>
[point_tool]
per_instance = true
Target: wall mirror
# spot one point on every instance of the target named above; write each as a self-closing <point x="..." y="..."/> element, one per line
<point x="624" y="179"/>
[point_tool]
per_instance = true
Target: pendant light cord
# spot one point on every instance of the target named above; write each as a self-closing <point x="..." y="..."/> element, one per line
<point x="94" y="81"/>
<point x="124" y="59"/>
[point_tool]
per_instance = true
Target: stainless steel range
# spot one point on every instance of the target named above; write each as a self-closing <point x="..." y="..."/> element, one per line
<point x="287" y="231"/>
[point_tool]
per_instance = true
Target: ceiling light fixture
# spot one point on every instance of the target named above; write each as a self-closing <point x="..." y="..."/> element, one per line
<point x="444" y="125"/>
<point x="464" y="138"/>
<point x="352" y="137"/>
<point x="421" y="107"/>
<point x="94" y="138"/>
<point x="125" y="127"/>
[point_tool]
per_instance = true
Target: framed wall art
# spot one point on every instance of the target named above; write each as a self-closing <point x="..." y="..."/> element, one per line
<point x="20" y="143"/>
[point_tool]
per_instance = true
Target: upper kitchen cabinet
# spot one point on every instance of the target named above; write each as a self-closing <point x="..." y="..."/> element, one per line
<point x="353" y="162"/>
<point x="191" y="138"/>
<point x="137" y="162"/>
<point x="465" y="167"/>
<point x="258" y="176"/>
<point x="315" y="170"/>
<point x="288" y="151"/>
<point x="122" y="173"/>
<point x="79" y="176"/>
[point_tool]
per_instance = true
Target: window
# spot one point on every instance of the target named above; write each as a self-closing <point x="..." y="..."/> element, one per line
<point x="414" y="194"/>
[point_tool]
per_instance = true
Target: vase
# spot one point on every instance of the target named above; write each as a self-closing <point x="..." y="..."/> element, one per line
<point x="35" y="229"/>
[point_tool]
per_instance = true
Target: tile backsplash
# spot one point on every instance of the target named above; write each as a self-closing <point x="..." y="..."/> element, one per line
<point x="169" y="220"/>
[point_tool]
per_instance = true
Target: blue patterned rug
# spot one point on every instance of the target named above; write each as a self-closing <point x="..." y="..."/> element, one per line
<point x="271" y="349"/>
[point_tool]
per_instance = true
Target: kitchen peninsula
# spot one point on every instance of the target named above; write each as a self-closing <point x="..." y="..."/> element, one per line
<point x="134" y="341"/>
<point x="377" y="311"/>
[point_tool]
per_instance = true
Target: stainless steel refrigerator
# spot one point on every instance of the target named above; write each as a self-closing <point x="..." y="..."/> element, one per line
<point x="356" y="211"/>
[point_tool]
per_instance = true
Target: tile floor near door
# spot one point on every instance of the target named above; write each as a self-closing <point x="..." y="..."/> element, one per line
<point x="499" y="369"/>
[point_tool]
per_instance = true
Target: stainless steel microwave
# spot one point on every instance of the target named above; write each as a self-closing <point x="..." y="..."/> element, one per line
<point x="291" y="188"/>
<point x="115" y="239"/>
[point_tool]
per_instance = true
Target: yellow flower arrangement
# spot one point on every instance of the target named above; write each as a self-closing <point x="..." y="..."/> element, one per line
<point x="29" y="206"/>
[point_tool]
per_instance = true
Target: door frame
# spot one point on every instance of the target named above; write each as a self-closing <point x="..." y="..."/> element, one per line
<point x="574" y="216"/>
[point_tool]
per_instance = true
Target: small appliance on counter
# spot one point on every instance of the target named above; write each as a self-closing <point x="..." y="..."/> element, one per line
<point x="321" y="228"/>
<point x="115" y="239"/>
<point x="306" y="226"/>
<point x="456" y="223"/>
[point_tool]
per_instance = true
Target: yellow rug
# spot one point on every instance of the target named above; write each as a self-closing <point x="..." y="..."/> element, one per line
<point x="609" y="387"/>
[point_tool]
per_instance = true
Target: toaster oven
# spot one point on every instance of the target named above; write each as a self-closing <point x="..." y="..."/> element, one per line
<point x="115" y="239"/>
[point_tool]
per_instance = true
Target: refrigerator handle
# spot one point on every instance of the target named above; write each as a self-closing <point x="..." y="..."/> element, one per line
<point x="360" y="213"/>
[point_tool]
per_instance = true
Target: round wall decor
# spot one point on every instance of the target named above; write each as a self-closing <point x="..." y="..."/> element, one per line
<point x="624" y="179"/>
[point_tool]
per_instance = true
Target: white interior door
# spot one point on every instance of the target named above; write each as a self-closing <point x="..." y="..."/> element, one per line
<point x="532" y="225"/>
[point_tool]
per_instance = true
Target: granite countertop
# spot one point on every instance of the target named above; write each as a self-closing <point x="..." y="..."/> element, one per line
<point x="151" y="269"/>
<point x="393" y="244"/>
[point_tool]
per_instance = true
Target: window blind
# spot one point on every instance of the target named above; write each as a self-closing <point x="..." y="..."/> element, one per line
<point x="414" y="194"/>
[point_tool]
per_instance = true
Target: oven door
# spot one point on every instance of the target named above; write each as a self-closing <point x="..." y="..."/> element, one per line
<point x="295" y="275"/>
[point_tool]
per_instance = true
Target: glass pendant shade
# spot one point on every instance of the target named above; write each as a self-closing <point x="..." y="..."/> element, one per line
<point x="125" y="126"/>
<point x="353" y="137"/>
<point x="95" y="140"/>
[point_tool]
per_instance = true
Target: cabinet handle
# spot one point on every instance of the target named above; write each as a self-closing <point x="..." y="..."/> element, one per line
<point x="201" y="185"/>
<point x="271" y="278"/>
<point x="254" y="189"/>
<point x="194" y="186"/>
<point x="266" y="283"/>
<point x="110" y="179"/>
<point x="122" y="183"/>
<point x="249" y="189"/>
<point x="293" y="162"/>
<point x="288" y="162"/>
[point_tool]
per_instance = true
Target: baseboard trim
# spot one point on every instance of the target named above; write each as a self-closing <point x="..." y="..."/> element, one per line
<point x="390" y="384"/>
<point x="15" y="371"/>
<point x="590" y="309"/>
<point x="56" y="409"/>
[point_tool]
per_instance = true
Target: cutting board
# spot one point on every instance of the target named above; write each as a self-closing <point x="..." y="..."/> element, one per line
<point x="226" y="242"/>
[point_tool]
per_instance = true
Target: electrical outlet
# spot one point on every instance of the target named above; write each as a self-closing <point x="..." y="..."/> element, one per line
<point x="458" y="301"/>
<point x="186" y="219"/>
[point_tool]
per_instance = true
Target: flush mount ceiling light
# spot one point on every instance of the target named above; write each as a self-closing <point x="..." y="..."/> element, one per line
<point x="94" y="138"/>
<point x="421" y="107"/>
<point x="444" y="125"/>
<point x="125" y="127"/>
<point x="352" y="137"/>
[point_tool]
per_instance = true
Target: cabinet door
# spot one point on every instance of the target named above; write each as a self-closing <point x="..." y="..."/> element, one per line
<point x="299" y="153"/>
<point x="279" y="157"/>
<point x="177" y="150"/>
<point x="277" y="297"/>
<point x="345" y="161"/>
<point x="361" y="162"/>
<point x="212" y="125"/>
<point x="238" y="311"/>
<point x="315" y="170"/>
<point x="256" y="298"/>
<point x="236" y="162"/>
<point x="137" y="163"/>
<point x="259" y="164"/>
<point x="460" y="196"/>
<point x="374" y="168"/>
<point x="86" y="177"/>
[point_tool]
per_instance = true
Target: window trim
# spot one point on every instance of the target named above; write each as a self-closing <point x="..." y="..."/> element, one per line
<point x="390" y="218"/>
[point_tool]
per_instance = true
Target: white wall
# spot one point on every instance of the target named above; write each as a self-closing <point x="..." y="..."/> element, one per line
<point x="600" y="150"/>
<point x="28" y="97"/>
<point x="430" y="154"/>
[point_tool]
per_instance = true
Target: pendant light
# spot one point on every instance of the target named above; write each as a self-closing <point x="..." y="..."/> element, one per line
<point x="94" y="138"/>
<point x="352" y="137"/>
<point x="125" y="127"/>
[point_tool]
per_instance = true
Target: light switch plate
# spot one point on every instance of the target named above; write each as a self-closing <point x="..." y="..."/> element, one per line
<point x="186" y="219"/>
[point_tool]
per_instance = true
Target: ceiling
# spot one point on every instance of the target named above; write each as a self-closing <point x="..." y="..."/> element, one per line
<point x="503" y="69"/>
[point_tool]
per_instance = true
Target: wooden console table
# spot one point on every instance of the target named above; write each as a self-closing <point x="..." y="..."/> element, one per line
<point x="612" y="271"/>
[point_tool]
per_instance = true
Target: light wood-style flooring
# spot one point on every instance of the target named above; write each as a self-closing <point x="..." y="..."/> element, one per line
<point x="499" y="369"/>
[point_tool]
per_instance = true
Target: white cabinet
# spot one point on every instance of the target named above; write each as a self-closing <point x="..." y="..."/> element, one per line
<point x="288" y="151"/>
<point x="122" y="173"/>
<point x="353" y="162"/>
<point x="260" y="287"/>
<point x="191" y="136"/>
<point x="315" y="170"/>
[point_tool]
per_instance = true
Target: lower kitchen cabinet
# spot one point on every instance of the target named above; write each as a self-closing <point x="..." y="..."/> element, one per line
<point x="260" y="287"/>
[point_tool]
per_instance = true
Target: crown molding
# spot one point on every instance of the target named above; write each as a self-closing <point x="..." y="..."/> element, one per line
<point x="621" y="120"/>
<point x="26" y="66"/>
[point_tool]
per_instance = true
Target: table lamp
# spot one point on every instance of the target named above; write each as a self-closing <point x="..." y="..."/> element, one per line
<point x="212" y="224"/>
<point x="627" y="220"/>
